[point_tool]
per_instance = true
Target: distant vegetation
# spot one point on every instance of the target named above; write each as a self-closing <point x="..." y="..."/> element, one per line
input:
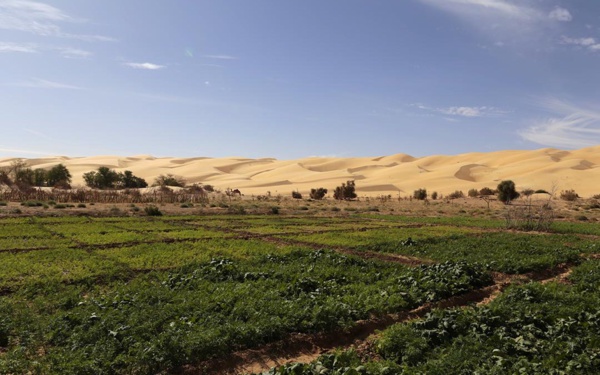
<point x="106" y="178"/>
<point x="345" y="191"/>
<point x="318" y="194"/>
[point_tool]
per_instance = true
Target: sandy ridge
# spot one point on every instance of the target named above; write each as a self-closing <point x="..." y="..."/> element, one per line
<point x="394" y="174"/>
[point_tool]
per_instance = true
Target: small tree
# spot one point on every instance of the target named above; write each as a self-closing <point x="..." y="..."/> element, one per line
<point x="473" y="193"/>
<point x="40" y="176"/>
<point x="486" y="191"/>
<point x="345" y="191"/>
<point x="434" y="195"/>
<point x="507" y="191"/>
<point x="169" y="180"/>
<point x="456" y="195"/>
<point x="58" y="175"/>
<point x="318" y="194"/>
<point x="128" y="181"/>
<point x="420" y="194"/>
<point x="102" y="178"/>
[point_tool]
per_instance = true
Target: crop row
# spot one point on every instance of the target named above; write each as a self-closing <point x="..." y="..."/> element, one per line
<point x="161" y="320"/>
<point x="535" y="328"/>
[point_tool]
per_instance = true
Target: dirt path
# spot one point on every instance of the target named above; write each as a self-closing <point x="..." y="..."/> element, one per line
<point x="305" y="348"/>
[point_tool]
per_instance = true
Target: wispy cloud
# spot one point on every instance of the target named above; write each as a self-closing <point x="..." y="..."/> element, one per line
<point x="45" y="84"/>
<point x="575" y="126"/>
<point x="221" y="57"/>
<point x="471" y="8"/>
<point x="18" y="47"/>
<point x="528" y="22"/>
<point x="146" y="66"/>
<point x="21" y="151"/>
<point x="74" y="53"/>
<point x="462" y="111"/>
<point x="588" y="42"/>
<point x="40" y="19"/>
<point x="560" y="14"/>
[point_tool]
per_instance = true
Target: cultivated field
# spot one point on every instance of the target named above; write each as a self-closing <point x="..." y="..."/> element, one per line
<point x="232" y="293"/>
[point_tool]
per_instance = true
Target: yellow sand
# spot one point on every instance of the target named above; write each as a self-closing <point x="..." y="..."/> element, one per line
<point x="546" y="169"/>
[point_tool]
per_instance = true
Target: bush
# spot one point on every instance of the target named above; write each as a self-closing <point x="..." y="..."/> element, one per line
<point x="486" y="191"/>
<point x="318" y="194"/>
<point x="541" y="191"/>
<point x="296" y="195"/>
<point x="102" y="178"/>
<point x="81" y="205"/>
<point x="345" y="191"/>
<point x="507" y="192"/>
<point x="473" y="193"/>
<point x="152" y="211"/>
<point x="527" y="192"/>
<point x="456" y="195"/>
<point x="169" y="180"/>
<point x="569" y="195"/>
<point x="275" y="210"/>
<point x="420" y="194"/>
<point x="434" y="195"/>
<point x="208" y="188"/>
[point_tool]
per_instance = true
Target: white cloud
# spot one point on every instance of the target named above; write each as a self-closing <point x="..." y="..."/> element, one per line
<point x="40" y="19"/>
<point x="74" y="53"/>
<point x="462" y="111"/>
<point x="528" y="23"/>
<point x="471" y="8"/>
<point x="589" y="42"/>
<point x="16" y="47"/>
<point x="45" y="84"/>
<point x="560" y="14"/>
<point x="146" y="66"/>
<point x="575" y="127"/>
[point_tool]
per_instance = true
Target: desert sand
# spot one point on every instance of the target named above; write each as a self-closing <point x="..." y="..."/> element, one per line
<point x="400" y="174"/>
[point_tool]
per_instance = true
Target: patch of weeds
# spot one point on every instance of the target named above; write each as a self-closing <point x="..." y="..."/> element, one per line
<point x="152" y="211"/>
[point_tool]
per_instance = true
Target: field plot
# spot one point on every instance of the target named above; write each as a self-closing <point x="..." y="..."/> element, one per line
<point x="177" y="293"/>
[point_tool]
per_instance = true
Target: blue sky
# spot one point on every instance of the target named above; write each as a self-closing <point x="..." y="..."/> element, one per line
<point x="291" y="79"/>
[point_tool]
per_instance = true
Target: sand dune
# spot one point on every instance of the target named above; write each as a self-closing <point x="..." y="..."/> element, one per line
<point x="394" y="174"/>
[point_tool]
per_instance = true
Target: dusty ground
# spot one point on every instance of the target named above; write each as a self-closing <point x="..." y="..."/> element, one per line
<point x="580" y="210"/>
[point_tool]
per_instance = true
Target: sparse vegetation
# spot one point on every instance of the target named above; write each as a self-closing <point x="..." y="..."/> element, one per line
<point x="507" y="191"/>
<point x="473" y="193"/>
<point x="420" y="194"/>
<point x="456" y="195"/>
<point x="169" y="180"/>
<point x="569" y="195"/>
<point x="318" y="194"/>
<point x="296" y="195"/>
<point x="346" y="191"/>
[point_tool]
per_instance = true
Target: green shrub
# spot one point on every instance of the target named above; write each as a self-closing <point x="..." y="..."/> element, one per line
<point x="345" y="191"/>
<point x="152" y="211"/>
<point x="507" y="191"/>
<point x="420" y="194"/>
<point x="486" y="191"/>
<point x="81" y="205"/>
<point x="473" y="193"/>
<point x="60" y="206"/>
<point x="456" y="195"/>
<point x="318" y="194"/>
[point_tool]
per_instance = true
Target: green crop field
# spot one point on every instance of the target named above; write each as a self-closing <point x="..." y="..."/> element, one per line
<point x="146" y="295"/>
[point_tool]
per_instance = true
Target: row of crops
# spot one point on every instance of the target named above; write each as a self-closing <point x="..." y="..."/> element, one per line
<point x="535" y="328"/>
<point x="150" y="294"/>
